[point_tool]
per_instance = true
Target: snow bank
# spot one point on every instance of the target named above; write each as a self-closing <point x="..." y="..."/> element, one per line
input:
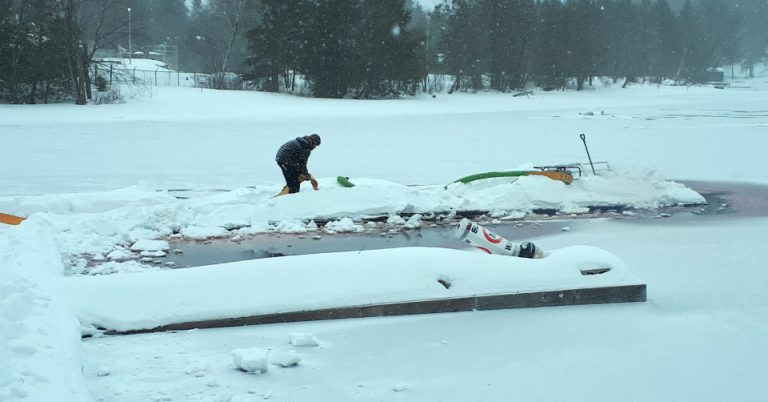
<point x="127" y="224"/>
<point x="39" y="335"/>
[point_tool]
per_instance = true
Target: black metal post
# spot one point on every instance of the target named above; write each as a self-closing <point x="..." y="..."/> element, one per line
<point x="584" y="140"/>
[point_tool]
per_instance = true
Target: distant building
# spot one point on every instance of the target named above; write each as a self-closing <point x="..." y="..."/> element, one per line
<point x="168" y="54"/>
<point x="714" y="75"/>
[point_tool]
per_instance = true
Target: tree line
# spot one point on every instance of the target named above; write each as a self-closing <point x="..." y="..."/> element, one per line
<point x="362" y="48"/>
<point x="551" y="43"/>
<point x="41" y="52"/>
<point x="381" y="48"/>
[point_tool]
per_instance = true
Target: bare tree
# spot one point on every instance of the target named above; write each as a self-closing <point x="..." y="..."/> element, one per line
<point x="232" y="13"/>
<point x="76" y="53"/>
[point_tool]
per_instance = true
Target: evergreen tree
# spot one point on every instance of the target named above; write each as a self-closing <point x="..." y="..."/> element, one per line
<point x="43" y="50"/>
<point x="582" y="24"/>
<point x="438" y="25"/>
<point x="708" y="30"/>
<point x="754" y="15"/>
<point x="465" y="44"/>
<point x="621" y="33"/>
<point x="551" y="45"/>
<point x="329" y="60"/>
<point x="7" y="31"/>
<point x="166" y="21"/>
<point x="277" y="42"/>
<point x="510" y="32"/>
<point x="390" y="54"/>
<point x="6" y="35"/>
<point x="668" y="32"/>
<point x="30" y="49"/>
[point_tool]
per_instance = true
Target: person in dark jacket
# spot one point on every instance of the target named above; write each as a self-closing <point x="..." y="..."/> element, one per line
<point x="292" y="158"/>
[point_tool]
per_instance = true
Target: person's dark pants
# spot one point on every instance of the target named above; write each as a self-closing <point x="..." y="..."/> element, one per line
<point x="291" y="174"/>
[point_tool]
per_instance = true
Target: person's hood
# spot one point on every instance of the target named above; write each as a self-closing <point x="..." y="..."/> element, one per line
<point x="303" y="142"/>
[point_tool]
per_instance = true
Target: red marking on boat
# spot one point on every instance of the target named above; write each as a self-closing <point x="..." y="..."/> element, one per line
<point x="491" y="238"/>
<point x="484" y="249"/>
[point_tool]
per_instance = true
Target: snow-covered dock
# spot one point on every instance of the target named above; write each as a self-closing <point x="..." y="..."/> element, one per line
<point x="400" y="281"/>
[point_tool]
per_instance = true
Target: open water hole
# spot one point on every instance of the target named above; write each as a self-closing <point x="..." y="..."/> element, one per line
<point x="724" y="200"/>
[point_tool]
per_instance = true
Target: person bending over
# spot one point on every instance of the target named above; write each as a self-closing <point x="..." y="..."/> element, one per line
<point x="292" y="158"/>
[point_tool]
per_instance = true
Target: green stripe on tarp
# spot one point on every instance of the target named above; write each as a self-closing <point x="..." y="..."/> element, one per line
<point x="491" y="175"/>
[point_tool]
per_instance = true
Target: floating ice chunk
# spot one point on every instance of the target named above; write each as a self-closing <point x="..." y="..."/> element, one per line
<point x="150" y="245"/>
<point x="120" y="255"/>
<point x="115" y="267"/>
<point x="201" y="233"/>
<point x="395" y="220"/>
<point x="343" y="225"/>
<point x="154" y="253"/>
<point x="413" y="222"/>
<point x="252" y="360"/>
<point x="303" y="339"/>
<point x="291" y="226"/>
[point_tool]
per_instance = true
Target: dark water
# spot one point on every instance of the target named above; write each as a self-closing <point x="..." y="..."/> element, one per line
<point x="724" y="200"/>
<point x="274" y="245"/>
<point x="741" y="199"/>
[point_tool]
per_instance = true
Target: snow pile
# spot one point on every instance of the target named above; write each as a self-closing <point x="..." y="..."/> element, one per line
<point x="126" y="232"/>
<point x="39" y="335"/>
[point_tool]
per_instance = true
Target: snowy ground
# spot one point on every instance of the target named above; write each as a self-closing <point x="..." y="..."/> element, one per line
<point x="183" y="138"/>
<point x="701" y="337"/>
<point x="94" y="181"/>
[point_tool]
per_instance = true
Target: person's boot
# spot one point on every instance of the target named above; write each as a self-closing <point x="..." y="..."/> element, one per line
<point x="284" y="191"/>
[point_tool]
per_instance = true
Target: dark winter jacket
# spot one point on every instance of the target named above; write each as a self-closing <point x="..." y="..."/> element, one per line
<point x="294" y="155"/>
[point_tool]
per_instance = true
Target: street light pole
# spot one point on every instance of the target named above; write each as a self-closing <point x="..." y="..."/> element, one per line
<point x="130" y="47"/>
